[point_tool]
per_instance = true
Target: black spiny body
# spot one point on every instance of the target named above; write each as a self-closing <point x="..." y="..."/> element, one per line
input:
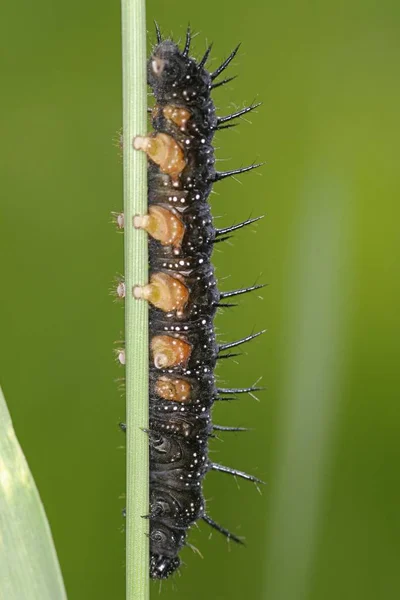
<point x="183" y="390"/>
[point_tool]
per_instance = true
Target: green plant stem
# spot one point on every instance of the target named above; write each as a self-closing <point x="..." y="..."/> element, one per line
<point x="136" y="311"/>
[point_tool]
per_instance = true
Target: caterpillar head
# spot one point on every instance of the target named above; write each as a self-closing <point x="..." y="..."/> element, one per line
<point x="174" y="77"/>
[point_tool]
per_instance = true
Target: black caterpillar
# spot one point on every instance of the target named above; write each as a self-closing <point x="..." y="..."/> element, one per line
<point x="183" y="295"/>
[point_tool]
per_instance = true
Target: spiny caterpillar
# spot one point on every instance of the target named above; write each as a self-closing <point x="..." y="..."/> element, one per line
<point x="183" y="295"/>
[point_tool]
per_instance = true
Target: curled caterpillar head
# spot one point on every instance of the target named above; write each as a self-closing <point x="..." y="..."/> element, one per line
<point x="176" y="78"/>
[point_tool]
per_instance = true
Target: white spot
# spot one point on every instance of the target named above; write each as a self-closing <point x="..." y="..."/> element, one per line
<point x="157" y="65"/>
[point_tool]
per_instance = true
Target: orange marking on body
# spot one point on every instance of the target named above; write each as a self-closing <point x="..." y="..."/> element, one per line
<point x="176" y="390"/>
<point x="164" y="291"/>
<point x="177" y="115"/>
<point x="163" y="225"/>
<point x="164" y="151"/>
<point x="169" y="351"/>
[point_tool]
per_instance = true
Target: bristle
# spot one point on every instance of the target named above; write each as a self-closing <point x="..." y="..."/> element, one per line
<point x="158" y="33"/>
<point x="205" y="57"/>
<point x="186" y="49"/>
<point x="223" y="82"/>
<point x="225" y="63"/>
<point x="231" y="355"/>
<point x="194" y="549"/>
<point x="247" y="390"/>
<point x="224" y="428"/>
<point x="241" y="291"/>
<point x="235" y="472"/>
<point x="225" y="230"/>
<point x="240" y="342"/>
<point x="239" y="113"/>
<point x="221" y="127"/>
<point x="223" y="174"/>
<point x="225" y="305"/>
<point x="222" y="239"/>
<point x="225" y="532"/>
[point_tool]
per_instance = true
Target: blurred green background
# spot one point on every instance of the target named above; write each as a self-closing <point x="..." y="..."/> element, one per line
<point x="327" y="428"/>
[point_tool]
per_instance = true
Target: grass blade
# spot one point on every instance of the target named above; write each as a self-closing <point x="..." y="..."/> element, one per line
<point x="29" y="566"/>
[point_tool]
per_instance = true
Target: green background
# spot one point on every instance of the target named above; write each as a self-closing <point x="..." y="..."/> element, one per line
<point x="327" y="427"/>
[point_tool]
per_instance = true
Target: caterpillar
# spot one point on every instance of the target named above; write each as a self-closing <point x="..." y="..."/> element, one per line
<point x="183" y="295"/>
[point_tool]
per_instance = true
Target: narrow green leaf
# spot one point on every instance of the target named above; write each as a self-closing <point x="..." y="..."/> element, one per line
<point x="29" y="568"/>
